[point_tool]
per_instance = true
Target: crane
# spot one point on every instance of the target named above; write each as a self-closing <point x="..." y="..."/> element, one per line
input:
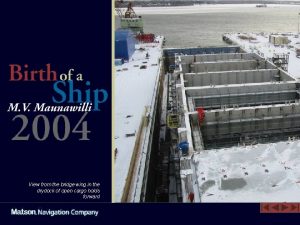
<point x="129" y="19"/>
<point x="130" y="13"/>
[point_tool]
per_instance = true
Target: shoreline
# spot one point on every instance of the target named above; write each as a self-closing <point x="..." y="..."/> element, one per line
<point x="206" y="8"/>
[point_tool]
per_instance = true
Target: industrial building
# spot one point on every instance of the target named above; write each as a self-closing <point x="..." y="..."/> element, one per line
<point x="278" y="39"/>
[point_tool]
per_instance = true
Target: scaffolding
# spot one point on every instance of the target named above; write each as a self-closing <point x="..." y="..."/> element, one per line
<point x="281" y="61"/>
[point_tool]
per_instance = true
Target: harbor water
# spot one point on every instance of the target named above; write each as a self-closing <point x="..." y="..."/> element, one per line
<point x="205" y="26"/>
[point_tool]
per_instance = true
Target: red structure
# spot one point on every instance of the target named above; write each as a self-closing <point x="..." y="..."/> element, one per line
<point x="145" y="38"/>
<point x="201" y="114"/>
<point x="191" y="197"/>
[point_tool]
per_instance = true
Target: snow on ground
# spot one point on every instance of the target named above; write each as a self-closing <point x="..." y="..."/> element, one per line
<point x="205" y="8"/>
<point x="134" y="90"/>
<point x="260" y="173"/>
<point x="262" y="45"/>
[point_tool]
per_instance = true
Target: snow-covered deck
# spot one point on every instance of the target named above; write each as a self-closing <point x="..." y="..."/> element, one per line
<point x="261" y="45"/>
<point x="135" y="89"/>
<point x="259" y="173"/>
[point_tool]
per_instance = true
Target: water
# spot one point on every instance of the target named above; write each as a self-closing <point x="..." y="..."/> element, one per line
<point x="206" y="29"/>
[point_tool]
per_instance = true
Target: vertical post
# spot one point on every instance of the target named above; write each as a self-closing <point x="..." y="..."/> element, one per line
<point x="298" y="22"/>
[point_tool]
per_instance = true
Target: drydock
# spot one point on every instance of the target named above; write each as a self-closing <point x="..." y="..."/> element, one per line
<point x="216" y="124"/>
<point x="209" y="124"/>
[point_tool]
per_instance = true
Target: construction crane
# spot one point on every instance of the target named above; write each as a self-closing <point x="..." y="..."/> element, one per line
<point x="130" y="13"/>
<point x="129" y="19"/>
